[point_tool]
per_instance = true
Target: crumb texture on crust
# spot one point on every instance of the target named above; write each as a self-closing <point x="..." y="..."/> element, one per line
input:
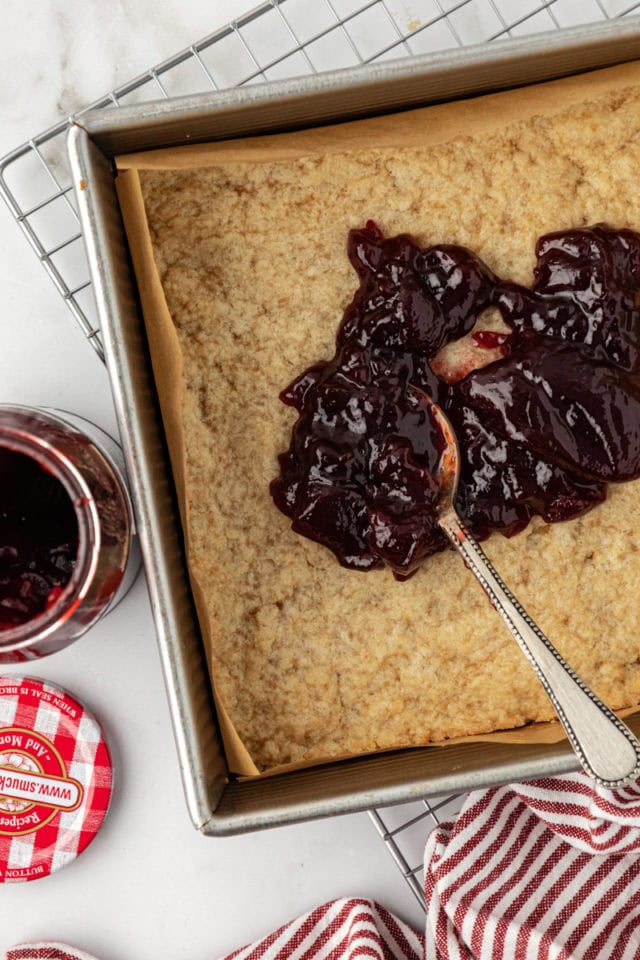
<point x="311" y="660"/>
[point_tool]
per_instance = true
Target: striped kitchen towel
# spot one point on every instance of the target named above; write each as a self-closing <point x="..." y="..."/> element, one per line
<point x="547" y="870"/>
<point x="350" y="929"/>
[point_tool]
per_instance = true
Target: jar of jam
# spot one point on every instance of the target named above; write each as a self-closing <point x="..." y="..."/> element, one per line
<point x="68" y="546"/>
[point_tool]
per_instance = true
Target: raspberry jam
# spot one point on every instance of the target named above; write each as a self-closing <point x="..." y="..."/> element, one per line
<point x="38" y="539"/>
<point x="68" y="545"/>
<point x="491" y="340"/>
<point x="542" y="430"/>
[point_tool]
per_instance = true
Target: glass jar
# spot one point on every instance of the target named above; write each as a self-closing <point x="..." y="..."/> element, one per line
<point x="89" y="465"/>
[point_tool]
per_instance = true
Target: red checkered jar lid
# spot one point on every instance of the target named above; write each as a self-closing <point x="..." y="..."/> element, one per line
<point x="55" y="778"/>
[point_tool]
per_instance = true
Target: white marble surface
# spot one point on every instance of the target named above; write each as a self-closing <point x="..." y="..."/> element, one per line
<point x="149" y="886"/>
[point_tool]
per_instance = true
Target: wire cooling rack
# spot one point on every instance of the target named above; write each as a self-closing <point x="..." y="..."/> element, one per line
<point x="280" y="38"/>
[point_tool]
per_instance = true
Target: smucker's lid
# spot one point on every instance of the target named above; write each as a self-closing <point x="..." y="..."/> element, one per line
<point x="55" y="778"/>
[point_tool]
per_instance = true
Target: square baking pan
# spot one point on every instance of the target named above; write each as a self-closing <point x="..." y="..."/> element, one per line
<point x="219" y="804"/>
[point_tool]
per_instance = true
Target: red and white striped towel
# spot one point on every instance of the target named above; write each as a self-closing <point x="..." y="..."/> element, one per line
<point x="350" y="929"/>
<point x="547" y="870"/>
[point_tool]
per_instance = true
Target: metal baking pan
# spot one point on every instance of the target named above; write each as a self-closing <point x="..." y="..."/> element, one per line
<point x="217" y="803"/>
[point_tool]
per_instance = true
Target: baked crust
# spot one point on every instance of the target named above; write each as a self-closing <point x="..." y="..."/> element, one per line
<point x="310" y="660"/>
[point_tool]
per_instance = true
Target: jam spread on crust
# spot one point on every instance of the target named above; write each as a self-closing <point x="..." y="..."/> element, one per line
<point x="38" y="539"/>
<point x="542" y="430"/>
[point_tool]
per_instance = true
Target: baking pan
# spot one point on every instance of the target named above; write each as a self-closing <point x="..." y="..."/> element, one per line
<point x="219" y="804"/>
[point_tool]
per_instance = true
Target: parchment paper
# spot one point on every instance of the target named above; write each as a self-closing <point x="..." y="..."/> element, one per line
<point x="423" y="127"/>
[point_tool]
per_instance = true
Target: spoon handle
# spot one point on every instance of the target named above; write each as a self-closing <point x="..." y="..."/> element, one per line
<point x="605" y="747"/>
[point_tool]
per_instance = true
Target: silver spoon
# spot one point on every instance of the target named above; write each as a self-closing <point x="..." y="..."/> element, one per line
<point x="606" y="748"/>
